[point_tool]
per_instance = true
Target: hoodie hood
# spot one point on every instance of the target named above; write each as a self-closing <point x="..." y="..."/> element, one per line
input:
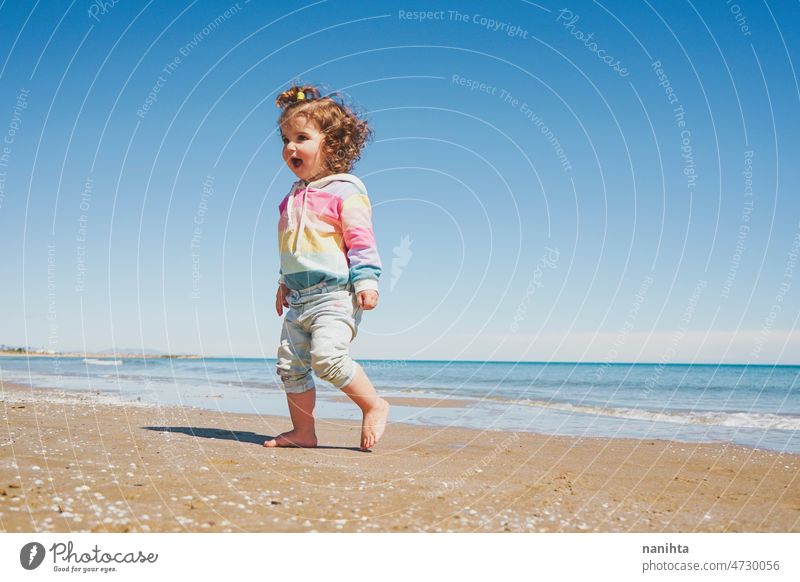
<point x="338" y="178"/>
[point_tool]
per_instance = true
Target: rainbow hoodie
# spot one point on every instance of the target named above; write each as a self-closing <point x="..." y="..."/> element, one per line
<point x="325" y="234"/>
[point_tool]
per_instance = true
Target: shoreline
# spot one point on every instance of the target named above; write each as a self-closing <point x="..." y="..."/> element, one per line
<point x="74" y="462"/>
<point x="397" y="401"/>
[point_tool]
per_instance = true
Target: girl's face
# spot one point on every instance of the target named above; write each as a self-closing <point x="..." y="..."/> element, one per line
<point x="303" y="149"/>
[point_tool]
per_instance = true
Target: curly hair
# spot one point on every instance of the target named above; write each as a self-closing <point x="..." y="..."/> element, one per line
<point x="344" y="134"/>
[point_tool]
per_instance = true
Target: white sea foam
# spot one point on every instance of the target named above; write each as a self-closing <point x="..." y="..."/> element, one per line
<point x="97" y="362"/>
<point x="730" y="419"/>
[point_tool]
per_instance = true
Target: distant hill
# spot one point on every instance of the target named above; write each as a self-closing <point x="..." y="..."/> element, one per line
<point x="6" y="350"/>
<point x="138" y="350"/>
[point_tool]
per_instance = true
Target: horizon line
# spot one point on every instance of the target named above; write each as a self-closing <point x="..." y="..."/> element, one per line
<point x="540" y="362"/>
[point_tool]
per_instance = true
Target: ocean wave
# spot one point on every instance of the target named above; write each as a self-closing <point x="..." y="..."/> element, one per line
<point x="763" y="420"/>
<point x="97" y="362"/>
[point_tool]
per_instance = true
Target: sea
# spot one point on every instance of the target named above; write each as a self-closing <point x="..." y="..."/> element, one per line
<point x="755" y="406"/>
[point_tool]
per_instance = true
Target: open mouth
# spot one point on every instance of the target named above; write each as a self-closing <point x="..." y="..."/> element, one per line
<point x="296" y="162"/>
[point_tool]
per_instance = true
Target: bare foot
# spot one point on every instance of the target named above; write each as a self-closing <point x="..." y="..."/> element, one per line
<point x="373" y="424"/>
<point x="292" y="439"/>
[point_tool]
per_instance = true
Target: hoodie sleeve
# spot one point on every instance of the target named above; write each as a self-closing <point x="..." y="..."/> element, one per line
<point x="359" y="240"/>
<point x="281" y="228"/>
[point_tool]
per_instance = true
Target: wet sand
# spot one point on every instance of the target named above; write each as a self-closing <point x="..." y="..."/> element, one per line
<point x="82" y="462"/>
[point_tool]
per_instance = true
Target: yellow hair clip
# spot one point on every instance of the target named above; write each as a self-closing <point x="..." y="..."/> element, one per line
<point x="300" y="95"/>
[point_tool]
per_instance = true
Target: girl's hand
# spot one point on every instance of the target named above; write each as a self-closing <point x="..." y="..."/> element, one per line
<point x="280" y="299"/>
<point x="367" y="299"/>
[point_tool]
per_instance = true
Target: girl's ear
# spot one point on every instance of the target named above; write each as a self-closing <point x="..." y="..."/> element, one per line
<point x="325" y="152"/>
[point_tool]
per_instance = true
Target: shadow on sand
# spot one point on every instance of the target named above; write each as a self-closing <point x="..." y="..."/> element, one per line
<point x="241" y="436"/>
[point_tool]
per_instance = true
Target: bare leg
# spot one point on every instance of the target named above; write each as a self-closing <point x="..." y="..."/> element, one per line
<point x="301" y="410"/>
<point x="375" y="410"/>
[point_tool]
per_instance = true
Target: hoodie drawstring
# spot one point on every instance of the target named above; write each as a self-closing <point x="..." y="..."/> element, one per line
<point x="302" y="222"/>
<point x="289" y="215"/>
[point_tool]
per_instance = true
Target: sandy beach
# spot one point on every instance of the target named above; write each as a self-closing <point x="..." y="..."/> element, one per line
<point x="84" y="462"/>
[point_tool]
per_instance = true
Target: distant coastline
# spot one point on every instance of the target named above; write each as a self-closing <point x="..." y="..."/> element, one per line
<point x="130" y="356"/>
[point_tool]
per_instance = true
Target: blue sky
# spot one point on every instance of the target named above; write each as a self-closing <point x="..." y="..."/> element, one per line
<point x="555" y="206"/>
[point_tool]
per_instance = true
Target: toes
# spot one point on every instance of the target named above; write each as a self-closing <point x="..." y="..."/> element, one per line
<point x="368" y="442"/>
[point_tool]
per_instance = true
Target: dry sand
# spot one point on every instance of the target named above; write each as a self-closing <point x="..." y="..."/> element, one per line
<point x="80" y="462"/>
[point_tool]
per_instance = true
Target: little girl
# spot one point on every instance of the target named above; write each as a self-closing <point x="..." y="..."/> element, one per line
<point x="329" y="263"/>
